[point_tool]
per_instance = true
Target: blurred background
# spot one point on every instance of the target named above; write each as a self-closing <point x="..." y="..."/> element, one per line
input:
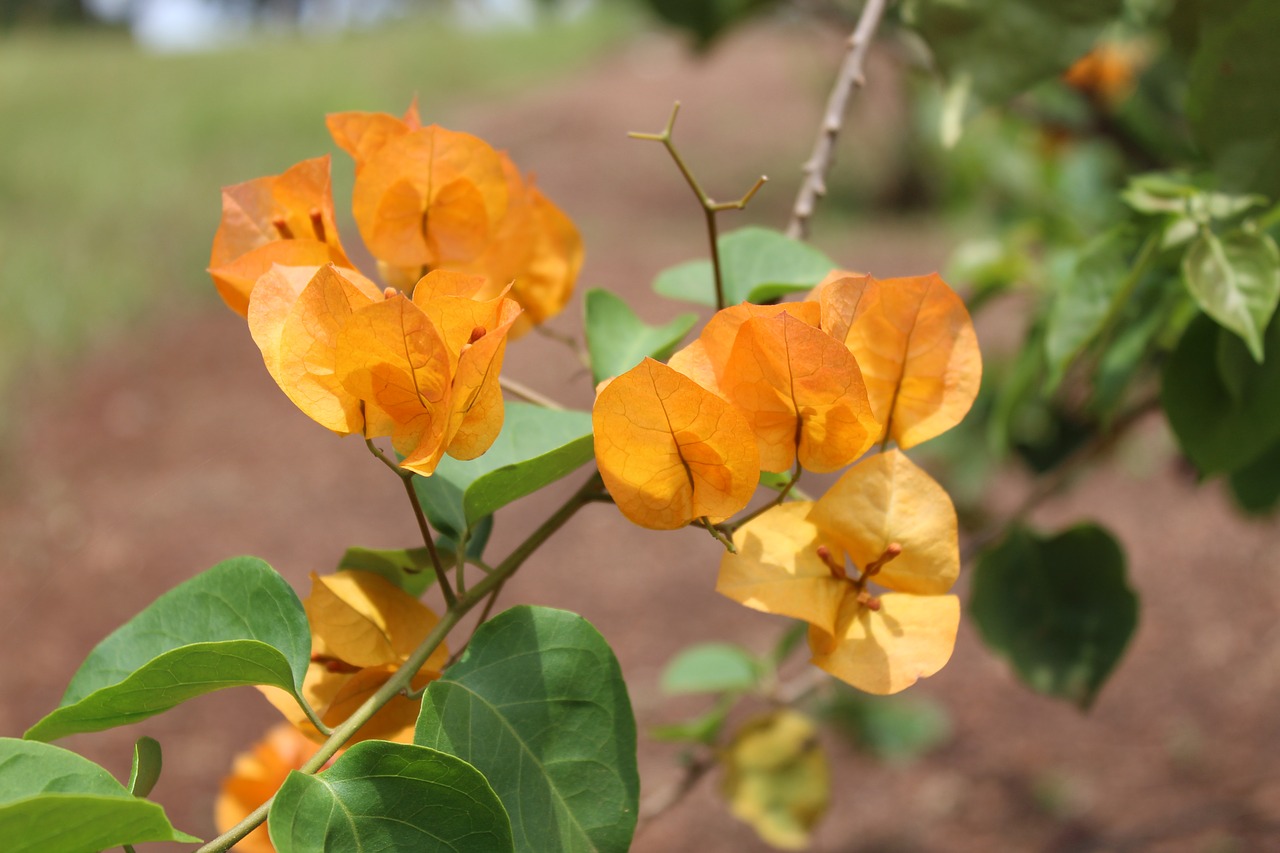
<point x="141" y="441"/>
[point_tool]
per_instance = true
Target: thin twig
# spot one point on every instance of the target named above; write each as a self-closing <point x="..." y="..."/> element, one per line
<point x="524" y="392"/>
<point x="666" y="799"/>
<point x="567" y="340"/>
<point x="852" y="75"/>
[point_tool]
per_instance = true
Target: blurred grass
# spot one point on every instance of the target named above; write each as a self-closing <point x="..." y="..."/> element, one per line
<point x="111" y="160"/>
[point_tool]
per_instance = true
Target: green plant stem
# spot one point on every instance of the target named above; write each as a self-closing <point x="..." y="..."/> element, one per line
<point x="777" y="501"/>
<point x="406" y="478"/>
<point x="524" y="392"/>
<point x="399" y="682"/>
<point x="710" y="206"/>
<point x="1147" y="254"/>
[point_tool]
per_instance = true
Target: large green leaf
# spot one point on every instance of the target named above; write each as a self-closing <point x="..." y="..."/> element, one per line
<point x="1059" y="609"/>
<point x="1222" y="425"/>
<point x="618" y="340"/>
<point x="1082" y="303"/>
<point x="536" y="447"/>
<point x="235" y="624"/>
<point x="54" y="801"/>
<point x="995" y="49"/>
<point x="537" y="703"/>
<point x="1234" y="102"/>
<point x="1236" y="280"/>
<point x="1256" y="486"/>
<point x="386" y="797"/>
<point x="756" y="265"/>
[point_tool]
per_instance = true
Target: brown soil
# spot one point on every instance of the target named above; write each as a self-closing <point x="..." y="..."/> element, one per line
<point x="172" y="450"/>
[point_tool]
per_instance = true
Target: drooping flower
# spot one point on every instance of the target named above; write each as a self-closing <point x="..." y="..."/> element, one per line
<point x="255" y="777"/>
<point x="897" y="528"/>
<point x="363" y="628"/>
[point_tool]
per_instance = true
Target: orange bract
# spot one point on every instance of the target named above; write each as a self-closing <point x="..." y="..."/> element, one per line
<point x="670" y="451"/>
<point x="255" y="778"/>
<point x="363" y="628"/>
<point x="916" y="346"/>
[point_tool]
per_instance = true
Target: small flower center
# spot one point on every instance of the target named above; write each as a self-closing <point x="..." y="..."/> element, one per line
<point x="859" y="584"/>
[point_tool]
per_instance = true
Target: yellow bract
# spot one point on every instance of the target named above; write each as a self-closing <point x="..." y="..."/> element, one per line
<point x="670" y="451"/>
<point x="363" y="628"/>
<point x="776" y="778"/>
<point x="898" y="528"/>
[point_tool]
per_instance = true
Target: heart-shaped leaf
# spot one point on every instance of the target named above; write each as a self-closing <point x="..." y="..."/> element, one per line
<point x="536" y="447"/>
<point x="537" y="703"/>
<point x="390" y="796"/>
<point x="54" y="801"/>
<point x="238" y="623"/>
<point x="1059" y="609"/>
<point x="756" y="265"/>
<point x="618" y="340"/>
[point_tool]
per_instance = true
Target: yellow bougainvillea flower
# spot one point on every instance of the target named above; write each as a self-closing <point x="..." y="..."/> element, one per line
<point x="255" y="778"/>
<point x="430" y="198"/>
<point x="280" y="219"/>
<point x="670" y="451"/>
<point x="422" y="370"/>
<point x="800" y="389"/>
<point x="897" y="527"/>
<point x="776" y="778"/>
<point x="916" y="346"/>
<point x="363" y="628"/>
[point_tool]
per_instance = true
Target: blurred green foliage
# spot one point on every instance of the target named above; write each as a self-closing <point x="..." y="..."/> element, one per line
<point x="114" y="158"/>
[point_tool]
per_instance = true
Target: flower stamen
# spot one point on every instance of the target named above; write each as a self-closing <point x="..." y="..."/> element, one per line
<point x="282" y="228"/>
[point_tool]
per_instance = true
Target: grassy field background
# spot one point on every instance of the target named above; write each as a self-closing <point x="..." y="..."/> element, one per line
<point x="112" y="159"/>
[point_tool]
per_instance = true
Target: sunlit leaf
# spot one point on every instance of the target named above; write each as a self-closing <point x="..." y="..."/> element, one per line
<point x="670" y="451"/>
<point x="915" y="344"/>
<point x="538" y="705"/>
<point x="238" y="623"/>
<point x="756" y="265"/>
<point x="390" y="796"/>
<point x="536" y="447"/>
<point x="1236" y="280"/>
<point x="54" y="801"/>
<point x="777" y="779"/>
<point x="1058" y="608"/>
<point x="711" y="668"/>
<point x="1221" y="426"/>
<point x="618" y="340"/>
<point x="255" y="777"/>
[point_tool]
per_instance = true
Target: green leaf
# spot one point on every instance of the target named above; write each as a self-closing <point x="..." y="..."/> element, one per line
<point x="1236" y="280"/>
<point x="756" y="264"/>
<point x="238" y="623"/>
<point x="390" y="796"/>
<point x="536" y="447"/>
<point x="892" y="728"/>
<point x="54" y="801"/>
<point x="1221" y="426"/>
<point x="537" y="703"/>
<point x="1256" y="486"/>
<point x="618" y="340"/>
<point x="711" y="668"/>
<point x="1233" y="101"/>
<point x="1000" y="48"/>
<point x="1059" y="609"/>
<point x="704" y="728"/>
<point x="148" y="760"/>
<point x="1083" y="302"/>
<point x="408" y="568"/>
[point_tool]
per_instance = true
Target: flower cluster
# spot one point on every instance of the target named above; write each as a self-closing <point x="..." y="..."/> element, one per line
<point x="472" y="251"/>
<point x="812" y="385"/>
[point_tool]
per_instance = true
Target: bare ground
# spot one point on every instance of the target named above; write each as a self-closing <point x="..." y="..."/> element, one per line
<point x="172" y="450"/>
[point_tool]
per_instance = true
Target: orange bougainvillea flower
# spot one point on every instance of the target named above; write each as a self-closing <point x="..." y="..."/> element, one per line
<point x="1108" y="72"/>
<point x="363" y="628"/>
<point x="897" y="527"/>
<point x="255" y="778"/>
<point x="915" y="344"/>
<point x="280" y="219"/>
<point x="670" y="451"/>
<point x="426" y="197"/>
<point x="799" y="388"/>
<point x="422" y="370"/>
